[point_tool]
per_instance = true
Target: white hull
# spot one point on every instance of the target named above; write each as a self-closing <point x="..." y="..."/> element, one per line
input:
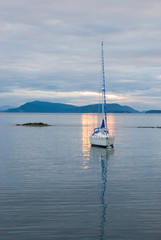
<point x="102" y="141"/>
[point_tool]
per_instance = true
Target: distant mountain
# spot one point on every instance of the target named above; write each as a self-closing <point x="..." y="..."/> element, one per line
<point x="153" y="111"/>
<point x="43" y="107"/>
<point x="5" y="107"/>
<point x="47" y="107"/>
<point x="111" y="108"/>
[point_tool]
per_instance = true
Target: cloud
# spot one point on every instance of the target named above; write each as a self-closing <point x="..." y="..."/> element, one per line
<point x="81" y="98"/>
<point x="55" y="46"/>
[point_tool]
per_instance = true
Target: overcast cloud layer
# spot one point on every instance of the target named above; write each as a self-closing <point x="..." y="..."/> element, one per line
<point x="50" y="51"/>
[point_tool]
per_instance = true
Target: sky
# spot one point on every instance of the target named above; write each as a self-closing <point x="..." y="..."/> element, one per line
<point x="50" y="50"/>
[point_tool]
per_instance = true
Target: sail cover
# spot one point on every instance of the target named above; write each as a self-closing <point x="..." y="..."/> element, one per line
<point x="103" y="124"/>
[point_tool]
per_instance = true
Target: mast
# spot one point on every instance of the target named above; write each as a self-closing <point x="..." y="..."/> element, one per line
<point x="104" y="109"/>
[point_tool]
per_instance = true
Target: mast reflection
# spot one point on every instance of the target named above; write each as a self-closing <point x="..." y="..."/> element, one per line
<point x="102" y="155"/>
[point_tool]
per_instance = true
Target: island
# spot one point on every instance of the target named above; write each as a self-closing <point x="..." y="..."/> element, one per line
<point x="149" y="127"/>
<point x="48" y="107"/>
<point x="35" y="124"/>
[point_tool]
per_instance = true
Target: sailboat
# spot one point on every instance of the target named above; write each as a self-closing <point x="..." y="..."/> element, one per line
<point x="101" y="136"/>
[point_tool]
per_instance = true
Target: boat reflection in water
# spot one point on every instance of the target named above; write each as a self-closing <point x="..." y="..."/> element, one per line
<point x="101" y="155"/>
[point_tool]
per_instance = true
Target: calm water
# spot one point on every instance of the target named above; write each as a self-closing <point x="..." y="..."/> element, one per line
<point x="53" y="185"/>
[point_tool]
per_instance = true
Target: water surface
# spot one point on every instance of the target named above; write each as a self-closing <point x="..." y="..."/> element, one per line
<point x="54" y="185"/>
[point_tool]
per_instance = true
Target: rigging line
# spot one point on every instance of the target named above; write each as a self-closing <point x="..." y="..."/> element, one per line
<point x="99" y="87"/>
<point x="103" y="87"/>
